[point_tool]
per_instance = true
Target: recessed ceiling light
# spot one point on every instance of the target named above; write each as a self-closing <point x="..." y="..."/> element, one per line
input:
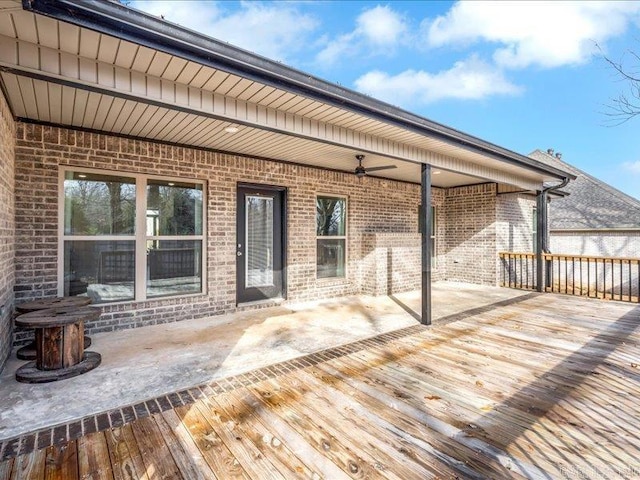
<point x="437" y="172"/>
<point x="82" y="175"/>
<point x="171" y="184"/>
<point x="231" y="129"/>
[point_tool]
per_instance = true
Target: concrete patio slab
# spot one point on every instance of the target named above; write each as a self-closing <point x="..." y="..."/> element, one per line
<point x="148" y="362"/>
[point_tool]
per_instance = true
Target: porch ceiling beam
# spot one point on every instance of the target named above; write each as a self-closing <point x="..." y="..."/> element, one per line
<point x="51" y="65"/>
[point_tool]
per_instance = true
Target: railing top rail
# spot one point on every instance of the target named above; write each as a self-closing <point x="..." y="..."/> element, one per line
<point x="549" y="256"/>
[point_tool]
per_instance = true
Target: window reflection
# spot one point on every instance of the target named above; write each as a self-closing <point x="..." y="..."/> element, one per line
<point x="174" y="267"/>
<point x="331" y="227"/>
<point x="101" y="270"/>
<point x="173" y="208"/>
<point x="97" y="204"/>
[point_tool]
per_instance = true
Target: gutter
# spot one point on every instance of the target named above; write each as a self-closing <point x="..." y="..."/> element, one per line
<point x="542" y="235"/>
<point x="564" y="183"/>
<point x="545" y="216"/>
<point x="113" y="19"/>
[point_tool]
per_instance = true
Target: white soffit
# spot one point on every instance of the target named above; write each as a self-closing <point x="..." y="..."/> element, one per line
<point x="89" y="110"/>
<point x="64" y="54"/>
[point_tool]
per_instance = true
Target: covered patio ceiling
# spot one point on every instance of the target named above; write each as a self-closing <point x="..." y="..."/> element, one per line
<point x="48" y="102"/>
<point x="155" y="80"/>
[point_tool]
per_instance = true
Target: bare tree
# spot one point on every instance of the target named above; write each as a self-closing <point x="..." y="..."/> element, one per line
<point x="330" y="216"/>
<point x="626" y="105"/>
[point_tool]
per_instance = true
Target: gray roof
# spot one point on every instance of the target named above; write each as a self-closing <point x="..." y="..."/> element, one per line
<point x="591" y="203"/>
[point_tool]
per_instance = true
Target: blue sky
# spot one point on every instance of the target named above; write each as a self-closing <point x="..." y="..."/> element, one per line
<point x="523" y="75"/>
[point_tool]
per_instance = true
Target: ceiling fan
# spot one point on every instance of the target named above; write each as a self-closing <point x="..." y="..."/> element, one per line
<point x="361" y="171"/>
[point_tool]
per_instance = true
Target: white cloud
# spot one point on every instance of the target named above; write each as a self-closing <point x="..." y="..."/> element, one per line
<point x="381" y="26"/>
<point x="546" y="34"/>
<point x="470" y="79"/>
<point x="633" y="167"/>
<point x="274" y="30"/>
<point x="378" y="30"/>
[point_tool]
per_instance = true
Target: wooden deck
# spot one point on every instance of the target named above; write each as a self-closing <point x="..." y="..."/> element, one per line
<point x="546" y="387"/>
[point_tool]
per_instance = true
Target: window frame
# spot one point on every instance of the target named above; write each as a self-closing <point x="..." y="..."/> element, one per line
<point x="333" y="237"/>
<point x="139" y="237"/>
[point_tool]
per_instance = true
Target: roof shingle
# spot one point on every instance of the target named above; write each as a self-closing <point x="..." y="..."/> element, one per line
<point x="592" y="204"/>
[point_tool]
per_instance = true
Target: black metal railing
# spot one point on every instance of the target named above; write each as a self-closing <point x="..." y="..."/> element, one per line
<point x="518" y="270"/>
<point x="590" y="276"/>
<point x="118" y="266"/>
<point x="173" y="263"/>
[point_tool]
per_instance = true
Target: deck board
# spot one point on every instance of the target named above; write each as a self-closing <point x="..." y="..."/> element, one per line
<point x="213" y="450"/>
<point x="29" y="467"/>
<point x="156" y="455"/>
<point x="241" y="447"/>
<point x="125" y="456"/>
<point x="246" y="422"/>
<point x="62" y="462"/>
<point x="542" y="388"/>
<point x="93" y="457"/>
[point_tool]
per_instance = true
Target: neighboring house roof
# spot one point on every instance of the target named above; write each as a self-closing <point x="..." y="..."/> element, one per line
<point x="591" y="204"/>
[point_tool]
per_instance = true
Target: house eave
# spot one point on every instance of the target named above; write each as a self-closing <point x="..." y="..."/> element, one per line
<point x="114" y="19"/>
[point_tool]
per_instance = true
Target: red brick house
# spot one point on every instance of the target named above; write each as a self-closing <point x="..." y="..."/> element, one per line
<point x="170" y="176"/>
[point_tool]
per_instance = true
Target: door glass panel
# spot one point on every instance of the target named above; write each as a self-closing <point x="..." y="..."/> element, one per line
<point x="259" y="241"/>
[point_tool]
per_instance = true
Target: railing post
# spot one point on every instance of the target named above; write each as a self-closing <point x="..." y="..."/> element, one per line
<point x="425" y="196"/>
<point x="541" y="226"/>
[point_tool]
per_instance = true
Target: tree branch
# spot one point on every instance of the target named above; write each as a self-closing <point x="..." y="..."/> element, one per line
<point x="626" y="105"/>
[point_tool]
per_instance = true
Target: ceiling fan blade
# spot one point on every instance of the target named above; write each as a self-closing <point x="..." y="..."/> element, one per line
<point x="375" y="169"/>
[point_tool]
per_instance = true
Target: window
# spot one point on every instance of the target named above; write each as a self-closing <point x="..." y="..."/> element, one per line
<point x="130" y="237"/>
<point x="434" y="219"/>
<point x="331" y="236"/>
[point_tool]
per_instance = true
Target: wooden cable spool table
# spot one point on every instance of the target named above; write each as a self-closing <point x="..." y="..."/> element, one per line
<point x="28" y="352"/>
<point x="60" y="350"/>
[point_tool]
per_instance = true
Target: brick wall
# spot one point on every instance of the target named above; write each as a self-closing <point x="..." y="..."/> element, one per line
<point x="470" y="234"/>
<point x="514" y="233"/>
<point x="7" y="226"/>
<point x="379" y="211"/>
<point x="605" y="244"/>
<point x="514" y="222"/>
<point x="391" y="261"/>
<point x="374" y="205"/>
